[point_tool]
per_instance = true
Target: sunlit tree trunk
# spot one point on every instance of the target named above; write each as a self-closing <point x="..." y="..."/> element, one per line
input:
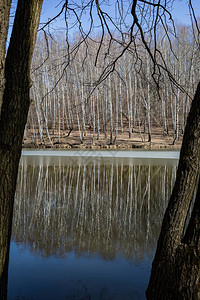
<point x="83" y="111"/>
<point x="148" y="105"/>
<point x="93" y="118"/>
<point x="129" y="106"/>
<point x="135" y="98"/>
<point x="116" y="111"/>
<point x="98" y="120"/>
<point x="120" y="104"/>
<point x="110" y="108"/>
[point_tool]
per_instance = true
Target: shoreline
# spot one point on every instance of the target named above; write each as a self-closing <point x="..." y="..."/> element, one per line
<point x="100" y="146"/>
<point x="122" y="141"/>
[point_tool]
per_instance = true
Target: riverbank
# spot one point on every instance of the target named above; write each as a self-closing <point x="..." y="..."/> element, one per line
<point x="73" y="141"/>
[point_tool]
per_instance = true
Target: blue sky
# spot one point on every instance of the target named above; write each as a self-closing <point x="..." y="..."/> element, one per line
<point x="180" y="11"/>
<point x="52" y="7"/>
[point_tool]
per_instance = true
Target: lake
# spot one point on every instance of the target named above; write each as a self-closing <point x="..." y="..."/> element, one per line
<point x="86" y="223"/>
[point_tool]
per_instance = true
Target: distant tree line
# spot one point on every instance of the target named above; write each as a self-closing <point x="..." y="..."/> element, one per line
<point x="126" y="100"/>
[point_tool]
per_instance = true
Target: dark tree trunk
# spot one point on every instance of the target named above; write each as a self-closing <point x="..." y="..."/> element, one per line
<point x="4" y="21"/>
<point x="13" y="117"/>
<point x="176" y="268"/>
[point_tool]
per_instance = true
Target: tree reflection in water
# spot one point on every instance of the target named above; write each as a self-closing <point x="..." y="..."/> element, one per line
<point x="107" y="208"/>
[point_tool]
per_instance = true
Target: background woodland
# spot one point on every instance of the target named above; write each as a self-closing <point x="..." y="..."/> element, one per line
<point x="69" y="98"/>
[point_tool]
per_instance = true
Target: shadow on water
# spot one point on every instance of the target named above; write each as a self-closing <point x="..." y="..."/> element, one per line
<point x="98" y="220"/>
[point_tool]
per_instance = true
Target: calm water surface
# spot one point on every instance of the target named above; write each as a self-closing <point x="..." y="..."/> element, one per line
<point x="85" y="227"/>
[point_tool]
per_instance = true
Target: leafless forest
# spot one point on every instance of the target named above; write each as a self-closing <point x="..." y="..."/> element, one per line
<point x="69" y="100"/>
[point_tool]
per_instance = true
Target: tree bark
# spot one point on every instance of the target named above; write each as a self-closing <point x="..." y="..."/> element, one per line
<point x="4" y="22"/>
<point x="175" y="270"/>
<point x="13" y="117"/>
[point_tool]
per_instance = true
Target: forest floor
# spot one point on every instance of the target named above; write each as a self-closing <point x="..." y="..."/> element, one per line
<point x="137" y="140"/>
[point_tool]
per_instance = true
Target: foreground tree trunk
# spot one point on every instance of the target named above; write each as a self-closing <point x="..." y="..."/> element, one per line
<point x="13" y="117"/>
<point x="176" y="267"/>
<point x="4" y="21"/>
